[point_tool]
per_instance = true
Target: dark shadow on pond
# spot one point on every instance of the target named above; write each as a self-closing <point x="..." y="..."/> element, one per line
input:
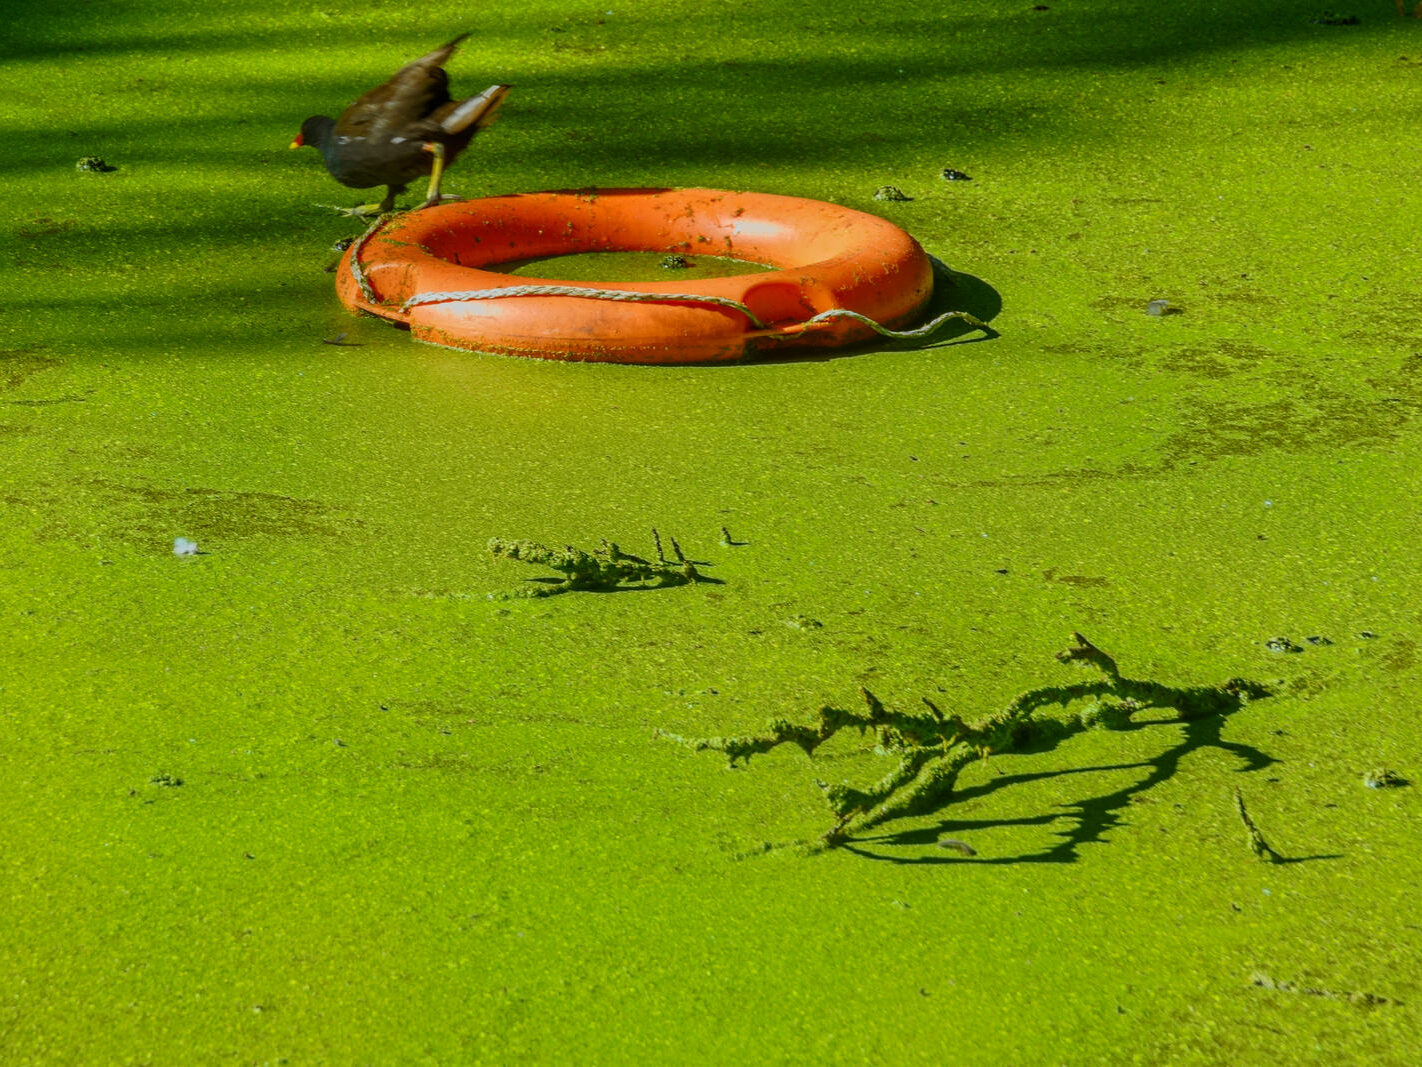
<point x="933" y="746"/>
<point x="560" y="585"/>
<point x="1085" y="821"/>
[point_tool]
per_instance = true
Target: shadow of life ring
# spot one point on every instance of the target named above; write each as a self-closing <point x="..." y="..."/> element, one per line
<point x="425" y="269"/>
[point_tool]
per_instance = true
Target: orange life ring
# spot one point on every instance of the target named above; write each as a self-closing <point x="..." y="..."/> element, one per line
<point x="423" y="269"/>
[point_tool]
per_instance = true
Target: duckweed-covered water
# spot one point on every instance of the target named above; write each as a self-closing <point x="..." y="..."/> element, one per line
<point x="629" y="267"/>
<point x="308" y="795"/>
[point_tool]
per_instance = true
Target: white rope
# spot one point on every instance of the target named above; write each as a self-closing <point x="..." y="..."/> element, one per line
<point x="899" y="335"/>
<point x="623" y="295"/>
<point x="357" y="271"/>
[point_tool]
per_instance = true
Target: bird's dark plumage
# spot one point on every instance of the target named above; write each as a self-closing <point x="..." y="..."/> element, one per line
<point x="399" y="131"/>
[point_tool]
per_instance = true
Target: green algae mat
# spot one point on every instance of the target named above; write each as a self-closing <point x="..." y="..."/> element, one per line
<point x="316" y="789"/>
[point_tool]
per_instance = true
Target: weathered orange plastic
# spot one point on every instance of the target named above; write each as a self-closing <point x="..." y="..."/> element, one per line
<point x="828" y="257"/>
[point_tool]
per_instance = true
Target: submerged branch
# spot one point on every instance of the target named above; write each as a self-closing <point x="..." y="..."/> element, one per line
<point x="602" y="569"/>
<point x="933" y="747"/>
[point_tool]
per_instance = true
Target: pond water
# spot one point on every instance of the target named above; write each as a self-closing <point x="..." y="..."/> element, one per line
<point x="629" y="267"/>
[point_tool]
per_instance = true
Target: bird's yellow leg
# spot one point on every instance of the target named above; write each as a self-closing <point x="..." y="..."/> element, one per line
<point x="435" y="149"/>
<point x="432" y="197"/>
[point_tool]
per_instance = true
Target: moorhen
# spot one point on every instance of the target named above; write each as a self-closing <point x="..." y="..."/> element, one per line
<point x="400" y="130"/>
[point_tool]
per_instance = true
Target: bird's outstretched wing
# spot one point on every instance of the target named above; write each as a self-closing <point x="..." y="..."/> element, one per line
<point x="415" y="92"/>
<point x="475" y="114"/>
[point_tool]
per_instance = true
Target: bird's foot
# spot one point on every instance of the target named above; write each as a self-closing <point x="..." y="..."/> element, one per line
<point x="435" y="201"/>
<point x="360" y="211"/>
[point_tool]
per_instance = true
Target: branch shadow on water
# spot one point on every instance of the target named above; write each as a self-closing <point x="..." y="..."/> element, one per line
<point x="934" y="746"/>
<point x="548" y="585"/>
<point x="1085" y="821"/>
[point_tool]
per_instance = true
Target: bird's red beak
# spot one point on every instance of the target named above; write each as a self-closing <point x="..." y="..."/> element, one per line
<point x="297" y="143"/>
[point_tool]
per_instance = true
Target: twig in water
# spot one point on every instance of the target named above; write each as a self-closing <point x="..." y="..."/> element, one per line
<point x="604" y="568"/>
<point x="932" y="747"/>
<point x="952" y="844"/>
<point x="1366" y="1000"/>
<point x="1257" y="844"/>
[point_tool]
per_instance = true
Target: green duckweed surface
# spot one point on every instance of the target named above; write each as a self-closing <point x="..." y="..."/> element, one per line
<point x="629" y="267"/>
<point x="309" y="796"/>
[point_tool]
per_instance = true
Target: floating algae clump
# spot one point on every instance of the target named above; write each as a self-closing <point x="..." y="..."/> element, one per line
<point x="933" y="747"/>
<point x="603" y="569"/>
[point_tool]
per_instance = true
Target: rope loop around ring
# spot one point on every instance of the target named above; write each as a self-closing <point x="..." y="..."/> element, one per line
<point x="633" y="296"/>
<point x="623" y="295"/>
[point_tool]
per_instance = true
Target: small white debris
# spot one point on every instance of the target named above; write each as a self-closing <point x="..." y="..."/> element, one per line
<point x="183" y="547"/>
<point x="1157" y="307"/>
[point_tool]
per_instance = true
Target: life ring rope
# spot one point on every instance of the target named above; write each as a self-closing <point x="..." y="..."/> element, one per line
<point x="420" y="299"/>
<point x="822" y="318"/>
<point x="623" y="295"/>
<point x="358" y="271"/>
